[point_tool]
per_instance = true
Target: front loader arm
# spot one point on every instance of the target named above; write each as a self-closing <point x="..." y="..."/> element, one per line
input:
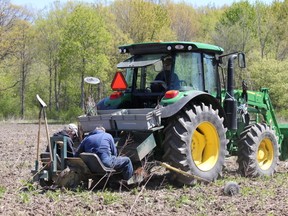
<point x="260" y="103"/>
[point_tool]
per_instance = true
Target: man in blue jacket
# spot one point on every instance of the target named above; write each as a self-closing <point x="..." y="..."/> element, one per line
<point x="102" y="144"/>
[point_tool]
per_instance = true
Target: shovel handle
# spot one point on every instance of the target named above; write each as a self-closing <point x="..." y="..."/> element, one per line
<point x="41" y="102"/>
<point x="38" y="140"/>
<point x="47" y="134"/>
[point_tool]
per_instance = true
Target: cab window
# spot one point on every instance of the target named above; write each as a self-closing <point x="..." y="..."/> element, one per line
<point x="188" y="67"/>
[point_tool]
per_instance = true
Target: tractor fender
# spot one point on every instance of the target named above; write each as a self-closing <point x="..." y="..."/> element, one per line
<point x="196" y="97"/>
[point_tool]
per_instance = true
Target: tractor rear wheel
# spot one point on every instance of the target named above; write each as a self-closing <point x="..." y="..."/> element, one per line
<point x="195" y="142"/>
<point x="258" y="151"/>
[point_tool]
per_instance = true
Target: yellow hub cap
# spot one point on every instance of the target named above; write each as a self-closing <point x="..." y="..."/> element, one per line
<point x="265" y="154"/>
<point x="205" y="146"/>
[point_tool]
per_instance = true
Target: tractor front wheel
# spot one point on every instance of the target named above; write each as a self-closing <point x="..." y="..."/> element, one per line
<point x="195" y="142"/>
<point x="258" y="151"/>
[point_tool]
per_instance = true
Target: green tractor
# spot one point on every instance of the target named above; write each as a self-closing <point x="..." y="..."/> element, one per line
<point x="190" y="117"/>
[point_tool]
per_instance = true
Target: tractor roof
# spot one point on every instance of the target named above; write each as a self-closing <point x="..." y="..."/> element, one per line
<point x="168" y="47"/>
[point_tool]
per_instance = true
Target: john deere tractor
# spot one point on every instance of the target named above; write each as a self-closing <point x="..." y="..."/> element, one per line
<point x="191" y="117"/>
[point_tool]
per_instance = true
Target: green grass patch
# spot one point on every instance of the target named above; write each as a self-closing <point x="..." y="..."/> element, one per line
<point x="109" y="197"/>
<point x="53" y="196"/>
<point x="182" y="200"/>
<point x="2" y="191"/>
<point x="24" y="197"/>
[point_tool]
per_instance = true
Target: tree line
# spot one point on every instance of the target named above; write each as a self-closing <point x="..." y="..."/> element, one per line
<point x="49" y="52"/>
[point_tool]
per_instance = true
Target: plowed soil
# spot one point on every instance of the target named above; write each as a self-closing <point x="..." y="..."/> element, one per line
<point x="18" y="141"/>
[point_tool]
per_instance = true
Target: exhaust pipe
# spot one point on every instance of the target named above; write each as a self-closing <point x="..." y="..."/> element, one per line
<point x="230" y="104"/>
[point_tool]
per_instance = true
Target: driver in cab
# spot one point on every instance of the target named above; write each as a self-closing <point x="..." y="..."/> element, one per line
<point x="164" y="76"/>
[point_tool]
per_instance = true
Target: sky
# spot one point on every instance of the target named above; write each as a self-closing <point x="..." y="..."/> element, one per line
<point x="40" y="4"/>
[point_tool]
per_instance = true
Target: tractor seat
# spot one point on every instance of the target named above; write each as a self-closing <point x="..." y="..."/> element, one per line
<point x="95" y="165"/>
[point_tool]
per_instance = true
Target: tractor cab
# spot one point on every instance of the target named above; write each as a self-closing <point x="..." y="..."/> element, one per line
<point x="163" y="70"/>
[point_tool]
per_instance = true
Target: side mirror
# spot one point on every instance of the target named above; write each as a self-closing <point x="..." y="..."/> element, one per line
<point x="241" y="60"/>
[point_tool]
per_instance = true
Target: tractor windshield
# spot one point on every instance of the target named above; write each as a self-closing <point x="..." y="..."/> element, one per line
<point x="160" y="72"/>
<point x="141" y="70"/>
<point x="197" y="71"/>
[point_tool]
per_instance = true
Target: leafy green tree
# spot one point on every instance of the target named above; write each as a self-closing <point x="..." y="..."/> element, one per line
<point x="235" y="30"/>
<point x="142" y="20"/>
<point x="24" y="56"/>
<point x="209" y="16"/>
<point x="279" y="10"/>
<point x="50" y="26"/>
<point x="9" y="99"/>
<point x="85" y="40"/>
<point x="184" y="21"/>
<point x="9" y="23"/>
<point x="272" y="74"/>
<point x="15" y="54"/>
<point x="265" y="27"/>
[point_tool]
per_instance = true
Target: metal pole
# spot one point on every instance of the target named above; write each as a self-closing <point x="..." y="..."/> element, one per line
<point x="38" y="141"/>
<point x="47" y="134"/>
<point x="167" y="166"/>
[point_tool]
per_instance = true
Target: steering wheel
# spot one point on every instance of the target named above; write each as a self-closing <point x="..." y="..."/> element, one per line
<point x="159" y="83"/>
<point x="148" y="89"/>
<point x="183" y="82"/>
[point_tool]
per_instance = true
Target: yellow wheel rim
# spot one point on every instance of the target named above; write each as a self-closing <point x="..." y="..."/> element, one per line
<point x="205" y="146"/>
<point x="265" y="154"/>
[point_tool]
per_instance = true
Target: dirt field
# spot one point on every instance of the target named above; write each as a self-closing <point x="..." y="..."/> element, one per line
<point x="262" y="196"/>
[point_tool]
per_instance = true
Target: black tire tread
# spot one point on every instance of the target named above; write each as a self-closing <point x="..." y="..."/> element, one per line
<point x="176" y="144"/>
<point x="248" y="145"/>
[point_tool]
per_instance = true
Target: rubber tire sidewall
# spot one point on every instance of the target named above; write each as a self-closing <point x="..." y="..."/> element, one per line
<point x="178" y="138"/>
<point x="248" y="146"/>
